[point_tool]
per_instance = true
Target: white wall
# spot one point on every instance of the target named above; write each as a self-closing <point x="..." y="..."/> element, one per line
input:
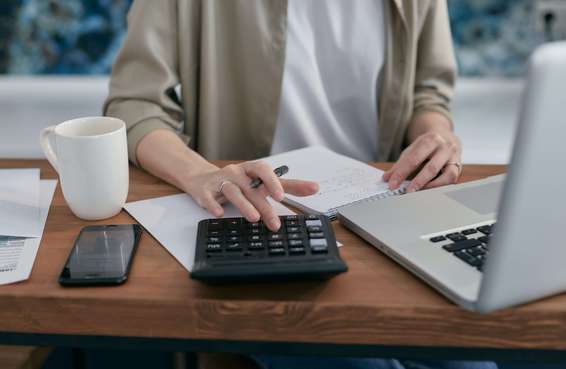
<point x="28" y="104"/>
<point x="485" y="112"/>
<point x="485" y="115"/>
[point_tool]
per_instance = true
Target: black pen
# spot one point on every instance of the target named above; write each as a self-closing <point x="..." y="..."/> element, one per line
<point x="278" y="172"/>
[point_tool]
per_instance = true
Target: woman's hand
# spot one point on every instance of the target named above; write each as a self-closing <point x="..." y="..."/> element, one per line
<point x="214" y="186"/>
<point x="162" y="153"/>
<point x="434" y="155"/>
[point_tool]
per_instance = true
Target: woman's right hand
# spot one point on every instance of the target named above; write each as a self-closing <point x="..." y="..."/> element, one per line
<point x="162" y="153"/>
<point x="213" y="186"/>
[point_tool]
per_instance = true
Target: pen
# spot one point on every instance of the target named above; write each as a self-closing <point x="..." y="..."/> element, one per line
<point x="278" y="172"/>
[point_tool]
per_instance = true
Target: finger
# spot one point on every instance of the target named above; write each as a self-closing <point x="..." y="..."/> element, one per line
<point x="236" y="174"/>
<point x="449" y="175"/>
<point x="265" y="210"/>
<point x="409" y="161"/>
<point x="263" y="171"/>
<point x="430" y="170"/>
<point x="208" y="202"/>
<point x="299" y="188"/>
<point x="233" y="194"/>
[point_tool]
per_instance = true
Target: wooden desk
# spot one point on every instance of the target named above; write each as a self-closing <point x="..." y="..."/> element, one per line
<point x="377" y="308"/>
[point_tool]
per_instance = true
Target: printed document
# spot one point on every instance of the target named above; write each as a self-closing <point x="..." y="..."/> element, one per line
<point x="17" y="254"/>
<point x="19" y="203"/>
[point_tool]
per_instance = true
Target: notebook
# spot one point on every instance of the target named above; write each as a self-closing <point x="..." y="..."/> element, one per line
<point x="343" y="181"/>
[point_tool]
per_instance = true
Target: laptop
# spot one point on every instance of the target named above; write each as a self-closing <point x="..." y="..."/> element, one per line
<point x="496" y="242"/>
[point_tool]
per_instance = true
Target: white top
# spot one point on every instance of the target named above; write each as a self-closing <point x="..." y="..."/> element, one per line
<point x="334" y="54"/>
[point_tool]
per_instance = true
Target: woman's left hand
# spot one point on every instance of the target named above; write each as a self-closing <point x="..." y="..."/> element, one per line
<point x="434" y="156"/>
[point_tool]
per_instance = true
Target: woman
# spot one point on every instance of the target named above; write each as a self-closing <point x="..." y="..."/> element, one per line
<point x="370" y="79"/>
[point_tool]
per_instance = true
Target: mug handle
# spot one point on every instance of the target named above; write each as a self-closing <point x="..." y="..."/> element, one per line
<point x="45" y="142"/>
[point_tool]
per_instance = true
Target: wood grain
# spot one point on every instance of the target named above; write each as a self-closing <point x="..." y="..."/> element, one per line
<point x="376" y="302"/>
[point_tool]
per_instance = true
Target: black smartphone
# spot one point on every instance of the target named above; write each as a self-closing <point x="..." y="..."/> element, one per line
<point x="102" y="255"/>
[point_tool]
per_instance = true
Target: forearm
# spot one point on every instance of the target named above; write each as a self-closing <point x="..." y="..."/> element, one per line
<point x="163" y="154"/>
<point x="428" y="122"/>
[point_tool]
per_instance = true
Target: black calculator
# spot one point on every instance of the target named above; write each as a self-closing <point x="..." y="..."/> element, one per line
<point x="233" y="249"/>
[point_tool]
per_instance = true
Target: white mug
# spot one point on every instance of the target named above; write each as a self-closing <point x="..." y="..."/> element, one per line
<point x="91" y="156"/>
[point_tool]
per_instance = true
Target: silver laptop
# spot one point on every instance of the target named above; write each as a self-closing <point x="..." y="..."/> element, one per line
<point x="499" y="241"/>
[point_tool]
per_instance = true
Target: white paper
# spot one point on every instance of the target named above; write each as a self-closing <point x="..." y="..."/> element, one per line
<point x="342" y="180"/>
<point x="173" y="221"/>
<point x="17" y="254"/>
<point x="19" y="203"/>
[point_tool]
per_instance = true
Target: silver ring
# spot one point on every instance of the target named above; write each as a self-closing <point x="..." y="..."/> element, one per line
<point x="458" y="165"/>
<point x="221" y="186"/>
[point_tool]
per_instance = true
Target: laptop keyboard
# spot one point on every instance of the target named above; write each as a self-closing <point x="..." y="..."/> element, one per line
<point x="470" y="245"/>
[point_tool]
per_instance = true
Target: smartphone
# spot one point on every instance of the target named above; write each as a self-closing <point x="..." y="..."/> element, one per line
<point x="102" y="255"/>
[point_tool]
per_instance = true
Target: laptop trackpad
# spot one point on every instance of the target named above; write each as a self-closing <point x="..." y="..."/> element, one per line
<point x="482" y="199"/>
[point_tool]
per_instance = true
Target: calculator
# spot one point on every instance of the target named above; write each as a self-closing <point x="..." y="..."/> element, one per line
<point x="233" y="249"/>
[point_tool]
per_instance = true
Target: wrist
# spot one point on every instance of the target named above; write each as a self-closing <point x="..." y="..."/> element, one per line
<point x="429" y="122"/>
<point x="191" y="169"/>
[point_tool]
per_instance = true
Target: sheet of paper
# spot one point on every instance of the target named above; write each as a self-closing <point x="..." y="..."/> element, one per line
<point x="173" y="221"/>
<point x="17" y="254"/>
<point x="342" y="180"/>
<point x="19" y="203"/>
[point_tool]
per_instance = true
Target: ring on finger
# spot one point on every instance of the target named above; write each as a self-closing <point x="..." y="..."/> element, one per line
<point x="222" y="184"/>
<point x="457" y="164"/>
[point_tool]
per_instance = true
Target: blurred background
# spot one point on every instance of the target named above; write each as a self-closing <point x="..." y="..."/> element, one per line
<point x="55" y="56"/>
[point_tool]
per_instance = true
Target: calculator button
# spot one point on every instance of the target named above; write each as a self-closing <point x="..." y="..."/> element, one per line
<point x="255" y="231"/>
<point x="275" y="243"/>
<point x="296" y="250"/>
<point x="319" y="249"/>
<point x="294" y="236"/>
<point x="214" y="233"/>
<point x="256" y="246"/>
<point x="311" y="217"/>
<point x="215" y="225"/>
<point x="291" y="223"/>
<point x="275" y="236"/>
<point x="233" y="239"/>
<point x="255" y="238"/>
<point x="233" y="232"/>
<point x="316" y="235"/>
<point x="319" y="242"/>
<point x="234" y="246"/>
<point x="233" y="223"/>
<point x="293" y="229"/>
<point x="295" y="243"/>
<point x="256" y="225"/>
<point x="213" y="239"/>
<point x="213" y="247"/>
<point x="314" y="223"/>
<point x="276" y="251"/>
<point x="291" y="217"/>
<point x="314" y="229"/>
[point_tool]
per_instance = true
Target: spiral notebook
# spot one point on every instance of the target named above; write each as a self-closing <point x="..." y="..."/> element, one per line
<point x="343" y="180"/>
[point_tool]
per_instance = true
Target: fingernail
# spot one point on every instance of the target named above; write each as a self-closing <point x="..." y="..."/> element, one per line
<point x="411" y="189"/>
<point x="392" y="184"/>
<point x="279" y="196"/>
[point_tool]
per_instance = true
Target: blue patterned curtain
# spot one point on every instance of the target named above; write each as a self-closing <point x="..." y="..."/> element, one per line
<point x="492" y="37"/>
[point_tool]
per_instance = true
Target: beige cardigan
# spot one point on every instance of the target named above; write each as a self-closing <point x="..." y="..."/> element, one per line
<point x="228" y="57"/>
